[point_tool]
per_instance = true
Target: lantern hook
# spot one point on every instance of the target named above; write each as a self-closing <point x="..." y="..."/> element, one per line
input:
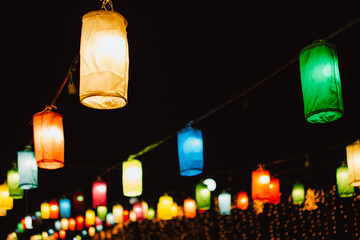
<point x="103" y="6"/>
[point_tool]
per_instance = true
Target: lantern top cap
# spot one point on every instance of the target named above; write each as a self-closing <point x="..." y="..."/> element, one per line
<point x="104" y="12"/>
<point x="317" y="44"/>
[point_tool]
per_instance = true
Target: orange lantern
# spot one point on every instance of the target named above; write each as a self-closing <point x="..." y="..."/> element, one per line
<point x="79" y="222"/>
<point x="72" y="224"/>
<point x="274" y="188"/>
<point x="242" y="201"/>
<point x="62" y="234"/>
<point x="54" y="209"/>
<point x="48" y="139"/>
<point x="260" y="185"/>
<point x="189" y="208"/>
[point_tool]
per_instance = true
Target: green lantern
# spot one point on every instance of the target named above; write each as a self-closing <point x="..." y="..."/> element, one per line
<point x="101" y="212"/>
<point x="342" y="182"/>
<point x="320" y="82"/>
<point x="298" y="193"/>
<point x="13" y="182"/>
<point x="202" y="196"/>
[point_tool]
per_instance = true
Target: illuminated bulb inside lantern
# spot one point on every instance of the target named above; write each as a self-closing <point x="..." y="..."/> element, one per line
<point x="101" y="188"/>
<point x="343" y="174"/>
<point x="54" y="207"/>
<point x="112" y="46"/>
<point x="54" y="132"/>
<point x="192" y="145"/>
<point x="243" y="200"/>
<point x="264" y="179"/>
<point x="327" y="70"/>
<point x="271" y="185"/>
<point x="80" y="198"/>
<point x="133" y="173"/>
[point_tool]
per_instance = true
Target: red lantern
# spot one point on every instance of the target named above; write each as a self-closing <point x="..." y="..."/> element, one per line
<point x="62" y="234"/>
<point x="125" y="216"/>
<point x="79" y="222"/>
<point x="48" y="139"/>
<point x="99" y="190"/>
<point x="138" y="210"/>
<point x="54" y="210"/>
<point x="72" y="224"/>
<point x="242" y="201"/>
<point x="274" y="187"/>
<point x="189" y="208"/>
<point x="55" y="235"/>
<point x="260" y="185"/>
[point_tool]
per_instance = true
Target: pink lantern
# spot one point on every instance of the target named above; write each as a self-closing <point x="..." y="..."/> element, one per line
<point x="99" y="190"/>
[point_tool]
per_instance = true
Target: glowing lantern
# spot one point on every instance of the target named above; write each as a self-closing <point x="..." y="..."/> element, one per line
<point x="99" y="191"/>
<point x="27" y="169"/>
<point x="89" y="218"/>
<point x="23" y="223"/>
<point x="132" y="216"/>
<point x="54" y="209"/>
<point x="13" y="183"/>
<point x="132" y="178"/>
<point x="210" y="183"/>
<point x="65" y="207"/>
<point x="320" y="82"/>
<point x="145" y="208"/>
<point x="202" y="196"/>
<point x="118" y="213"/>
<point x="164" y="207"/>
<point x="91" y="231"/>
<point x="298" y="193"/>
<point x="98" y="221"/>
<point x="2" y="212"/>
<point x="38" y="220"/>
<point x="28" y="222"/>
<point x="72" y="224"/>
<point x="55" y="235"/>
<point x="110" y="219"/>
<point x="64" y="223"/>
<point x="138" y="210"/>
<point x="190" y="151"/>
<point x="104" y="60"/>
<point x="242" y="201"/>
<point x="224" y="200"/>
<point x="62" y="234"/>
<point x="79" y="222"/>
<point x="151" y="213"/>
<point x="125" y="215"/>
<point x="342" y="182"/>
<point x="57" y="225"/>
<point x="353" y="162"/>
<point x="274" y="187"/>
<point x="78" y="202"/>
<point x="189" y="208"/>
<point x="101" y="212"/>
<point x="174" y="210"/>
<point x="48" y="139"/>
<point x="20" y="227"/>
<point x="45" y="210"/>
<point x="6" y="202"/>
<point x="260" y="185"/>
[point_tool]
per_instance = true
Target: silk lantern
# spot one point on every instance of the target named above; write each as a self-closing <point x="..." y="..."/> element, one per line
<point x="174" y="210"/>
<point x="320" y="82"/>
<point x="190" y="151"/>
<point x="138" y="210"/>
<point x="64" y="223"/>
<point x="45" y="210"/>
<point x="27" y="169"/>
<point x="342" y="182"/>
<point x="110" y="219"/>
<point x="132" y="216"/>
<point x="189" y="208"/>
<point x="224" y="200"/>
<point x="104" y="60"/>
<point x="20" y="227"/>
<point x="274" y="188"/>
<point x="353" y="162"/>
<point x="13" y="183"/>
<point x="242" y="201"/>
<point x="298" y="193"/>
<point x="125" y="215"/>
<point x="6" y="202"/>
<point x="92" y="231"/>
<point x="164" y="207"/>
<point x="99" y="191"/>
<point x="57" y="225"/>
<point x="62" y="234"/>
<point x="65" y="207"/>
<point x="78" y="205"/>
<point x="79" y="222"/>
<point x="89" y="218"/>
<point x="48" y="139"/>
<point x="202" y="196"/>
<point x="145" y="208"/>
<point x="54" y="209"/>
<point x="101" y="212"/>
<point x="151" y="213"/>
<point x="118" y="213"/>
<point x="132" y="178"/>
<point x="260" y="185"/>
<point x="72" y="224"/>
<point x="28" y="222"/>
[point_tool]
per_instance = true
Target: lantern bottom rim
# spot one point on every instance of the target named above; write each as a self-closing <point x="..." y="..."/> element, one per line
<point x="324" y="115"/>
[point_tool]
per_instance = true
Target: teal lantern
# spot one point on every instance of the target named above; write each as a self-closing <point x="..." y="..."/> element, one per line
<point x="224" y="200"/>
<point x="64" y="208"/>
<point x="202" y="196"/>
<point x="342" y="182"/>
<point x="13" y="182"/>
<point x="298" y="193"/>
<point x="320" y="82"/>
<point x="190" y="151"/>
<point x="27" y="169"/>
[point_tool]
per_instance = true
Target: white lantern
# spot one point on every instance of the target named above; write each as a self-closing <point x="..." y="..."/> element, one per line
<point x="353" y="162"/>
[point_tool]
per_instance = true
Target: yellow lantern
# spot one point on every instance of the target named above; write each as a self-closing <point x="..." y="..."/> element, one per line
<point x="118" y="213"/>
<point x="132" y="178"/>
<point x="45" y="210"/>
<point x="91" y="231"/>
<point x="174" y="209"/>
<point x="132" y="216"/>
<point x="164" y="207"/>
<point x="89" y="218"/>
<point x="65" y="223"/>
<point x="6" y="202"/>
<point x="104" y="60"/>
<point x="353" y="162"/>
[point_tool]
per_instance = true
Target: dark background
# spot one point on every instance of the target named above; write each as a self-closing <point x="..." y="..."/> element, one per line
<point x="186" y="57"/>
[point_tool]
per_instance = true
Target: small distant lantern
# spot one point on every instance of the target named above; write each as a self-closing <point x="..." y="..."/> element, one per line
<point x="260" y="185"/>
<point x="164" y="207"/>
<point x="132" y="216"/>
<point x="104" y="60"/>
<point x="3" y="212"/>
<point x="28" y="222"/>
<point x="27" y="169"/>
<point x="189" y="208"/>
<point x="13" y="182"/>
<point x="151" y="213"/>
<point x="64" y="223"/>
<point x="298" y="193"/>
<point x="224" y="200"/>
<point x="72" y="224"/>
<point x="145" y="208"/>
<point x="6" y="202"/>
<point x="132" y="178"/>
<point x="210" y="183"/>
<point x="138" y="210"/>
<point x="65" y="207"/>
<point x="125" y="215"/>
<point x="89" y="218"/>
<point x="98" y="221"/>
<point x="202" y="196"/>
<point x="353" y="162"/>
<point x="99" y="191"/>
<point x="242" y="201"/>
<point x="20" y="227"/>
<point x="91" y="231"/>
<point x="118" y="213"/>
<point x="190" y="151"/>
<point x="78" y="202"/>
<point x="342" y="182"/>
<point x="174" y="210"/>
<point x="48" y="139"/>
<point x="54" y="209"/>
<point x="79" y="222"/>
<point x="274" y="188"/>
<point x="45" y="210"/>
<point x="110" y="219"/>
<point x="320" y="82"/>
<point x="38" y="219"/>
<point x="101" y="212"/>
<point x="62" y="234"/>
<point x="57" y="225"/>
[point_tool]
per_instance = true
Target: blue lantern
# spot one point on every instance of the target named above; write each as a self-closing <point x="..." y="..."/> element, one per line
<point x="224" y="203"/>
<point x="28" y="169"/>
<point x="64" y="207"/>
<point x="190" y="151"/>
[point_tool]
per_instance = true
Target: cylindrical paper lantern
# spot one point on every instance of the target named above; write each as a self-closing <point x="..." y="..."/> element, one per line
<point x="189" y="208"/>
<point x="78" y="202"/>
<point x="57" y="225"/>
<point x="174" y="210"/>
<point x="260" y="185"/>
<point x="151" y="213"/>
<point x="91" y="231"/>
<point x="6" y="202"/>
<point x="72" y="224"/>
<point x="164" y="207"/>
<point x="298" y="193"/>
<point x="145" y="208"/>
<point x="99" y="191"/>
<point x="101" y="212"/>
<point x="342" y="182"/>
<point x="190" y="151"/>
<point x="20" y="227"/>
<point x="132" y="178"/>
<point x="54" y="209"/>
<point x="353" y="162"/>
<point x="274" y="187"/>
<point x="320" y="82"/>
<point x="64" y="223"/>
<point x="48" y="139"/>
<point x="118" y="213"/>
<point x="110" y="219"/>
<point x="104" y="60"/>
<point x="28" y="169"/>
<point x="98" y="221"/>
<point x="138" y="210"/>
<point x="79" y="222"/>
<point x="13" y="182"/>
<point x="89" y="218"/>
<point x="65" y="207"/>
<point x="125" y="215"/>
<point x="202" y="196"/>
<point x="224" y="200"/>
<point x="62" y="234"/>
<point x="45" y="210"/>
<point x="28" y="222"/>
<point x="132" y="216"/>
<point x="242" y="201"/>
